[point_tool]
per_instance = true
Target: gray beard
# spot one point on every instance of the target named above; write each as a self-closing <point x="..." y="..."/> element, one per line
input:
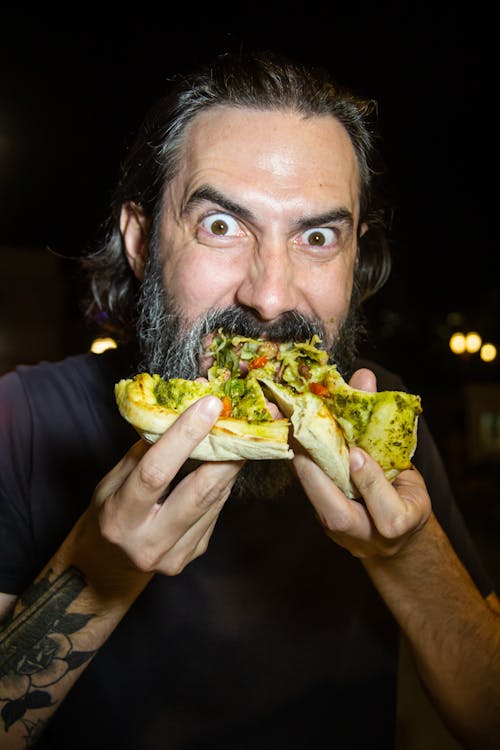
<point x="172" y="346"/>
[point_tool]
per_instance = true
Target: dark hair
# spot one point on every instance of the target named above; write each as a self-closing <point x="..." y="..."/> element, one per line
<point x="262" y="81"/>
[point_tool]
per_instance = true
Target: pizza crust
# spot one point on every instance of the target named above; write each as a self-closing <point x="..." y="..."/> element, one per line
<point x="317" y="431"/>
<point x="229" y="440"/>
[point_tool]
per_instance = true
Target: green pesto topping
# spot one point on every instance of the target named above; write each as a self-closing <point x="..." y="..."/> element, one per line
<point x="247" y="398"/>
<point x="252" y="404"/>
<point x="353" y="406"/>
<point x="178" y="394"/>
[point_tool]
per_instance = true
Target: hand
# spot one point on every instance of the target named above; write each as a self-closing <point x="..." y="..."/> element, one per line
<point x="135" y="526"/>
<point x="388" y="515"/>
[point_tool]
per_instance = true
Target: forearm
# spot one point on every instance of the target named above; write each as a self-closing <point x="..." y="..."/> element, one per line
<point x="54" y="632"/>
<point x="455" y="636"/>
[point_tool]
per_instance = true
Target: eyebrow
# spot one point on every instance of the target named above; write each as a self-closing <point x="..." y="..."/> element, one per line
<point x="335" y="216"/>
<point x="212" y="195"/>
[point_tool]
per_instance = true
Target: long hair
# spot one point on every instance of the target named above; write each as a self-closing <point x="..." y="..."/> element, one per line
<point x="262" y="81"/>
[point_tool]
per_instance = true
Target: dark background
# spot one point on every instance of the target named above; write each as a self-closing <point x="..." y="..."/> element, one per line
<point x="73" y="89"/>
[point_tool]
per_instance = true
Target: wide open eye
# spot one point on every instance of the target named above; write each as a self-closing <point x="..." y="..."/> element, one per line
<point x="324" y="237"/>
<point x="320" y="243"/>
<point x="221" y="225"/>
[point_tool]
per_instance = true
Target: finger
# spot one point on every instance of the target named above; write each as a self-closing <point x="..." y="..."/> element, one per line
<point x="153" y="474"/>
<point x="274" y="410"/>
<point x="171" y="533"/>
<point x="364" y="380"/>
<point x="200" y="492"/>
<point x="393" y="514"/>
<point x="336" y="513"/>
<point x="190" y="546"/>
<point x="169" y="537"/>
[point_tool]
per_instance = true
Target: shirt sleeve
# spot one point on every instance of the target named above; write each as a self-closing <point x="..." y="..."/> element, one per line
<point x="16" y="539"/>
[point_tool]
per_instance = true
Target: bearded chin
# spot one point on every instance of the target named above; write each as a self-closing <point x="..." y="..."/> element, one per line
<point x="172" y="346"/>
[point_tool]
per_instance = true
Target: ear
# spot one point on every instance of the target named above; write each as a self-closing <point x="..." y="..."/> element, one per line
<point x="134" y="227"/>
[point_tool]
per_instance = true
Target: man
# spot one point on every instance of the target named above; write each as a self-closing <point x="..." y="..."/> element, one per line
<point x="203" y="605"/>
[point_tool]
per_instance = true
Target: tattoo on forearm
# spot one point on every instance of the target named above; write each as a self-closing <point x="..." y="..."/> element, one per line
<point x="36" y="649"/>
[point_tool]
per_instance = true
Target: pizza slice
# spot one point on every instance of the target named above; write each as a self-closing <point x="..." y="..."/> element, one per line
<point x="245" y="429"/>
<point x="325" y="415"/>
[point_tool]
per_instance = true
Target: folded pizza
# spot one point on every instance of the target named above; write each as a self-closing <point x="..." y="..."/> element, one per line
<point x="329" y="416"/>
<point x="245" y="429"/>
<point x="323" y="413"/>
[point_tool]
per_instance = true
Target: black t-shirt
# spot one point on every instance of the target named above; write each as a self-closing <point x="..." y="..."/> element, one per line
<point x="275" y="637"/>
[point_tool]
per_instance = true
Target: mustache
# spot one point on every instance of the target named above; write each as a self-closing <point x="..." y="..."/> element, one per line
<point x="176" y="347"/>
<point x="237" y="320"/>
<point x="241" y="321"/>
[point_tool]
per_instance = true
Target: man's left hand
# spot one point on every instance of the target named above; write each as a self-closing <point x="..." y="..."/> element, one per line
<point x="385" y="517"/>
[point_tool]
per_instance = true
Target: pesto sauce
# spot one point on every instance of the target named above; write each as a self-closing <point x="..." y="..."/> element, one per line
<point x="178" y="394"/>
<point x="252" y="404"/>
<point x="355" y="407"/>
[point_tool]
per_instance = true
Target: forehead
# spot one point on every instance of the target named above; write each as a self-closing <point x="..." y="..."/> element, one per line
<point x="281" y="151"/>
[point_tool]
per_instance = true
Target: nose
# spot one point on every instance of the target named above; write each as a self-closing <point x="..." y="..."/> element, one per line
<point x="269" y="286"/>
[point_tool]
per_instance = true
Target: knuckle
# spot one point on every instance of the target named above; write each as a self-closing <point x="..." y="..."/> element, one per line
<point x="173" y="565"/>
<point x="209" y="491"/>
<point x="193" y="428"/>
<point x="392" y="529"/>
<point x="369" y="483"/>
<point x="193" y="432"/>
<point x="145" y="557"/>
<point x="142" y="554"/>
<point x="336" y="523"/>
<point x="111" y="530"/>
<point x="201" y="548"/>
<point x="152" y="475"/>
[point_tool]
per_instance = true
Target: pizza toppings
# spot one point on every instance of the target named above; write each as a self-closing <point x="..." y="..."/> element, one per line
<point x="257" y="382"/>
<point x="291" y="363"/>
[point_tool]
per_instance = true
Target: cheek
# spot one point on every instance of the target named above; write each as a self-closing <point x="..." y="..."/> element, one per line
<point x="329" y="294"/>
<point x="201" y="281"/>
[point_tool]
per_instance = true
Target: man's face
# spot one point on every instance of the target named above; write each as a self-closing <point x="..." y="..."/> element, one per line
<point x="257" y="236"/>
<point x="262" y="216"/>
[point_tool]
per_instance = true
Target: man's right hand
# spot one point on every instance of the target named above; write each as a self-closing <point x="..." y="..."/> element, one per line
<point x="135" y="526"/>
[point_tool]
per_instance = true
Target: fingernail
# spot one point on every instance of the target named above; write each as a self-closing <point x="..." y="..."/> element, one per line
<point x="209" y="408"/>
<point x="356" y="459"/>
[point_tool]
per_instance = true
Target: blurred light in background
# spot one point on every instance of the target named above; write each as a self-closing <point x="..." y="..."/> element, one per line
<point x="473" y="342"/>
<point x="457" y="343"/>
<point x="99" y="345"/>
<point x="488" y="352"/>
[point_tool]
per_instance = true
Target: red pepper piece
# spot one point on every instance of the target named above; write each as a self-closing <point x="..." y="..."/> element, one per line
<point x="257" y="362"/>
<point x="226" y="407"/>
<point x="319" y="390"/>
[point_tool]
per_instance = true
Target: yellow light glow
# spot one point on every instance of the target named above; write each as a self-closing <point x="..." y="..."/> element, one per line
<point x="98" y="346"/>
<point x="457" y="343"/>
<point x="488" y="352"/>
<point x="473" y="342"/>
